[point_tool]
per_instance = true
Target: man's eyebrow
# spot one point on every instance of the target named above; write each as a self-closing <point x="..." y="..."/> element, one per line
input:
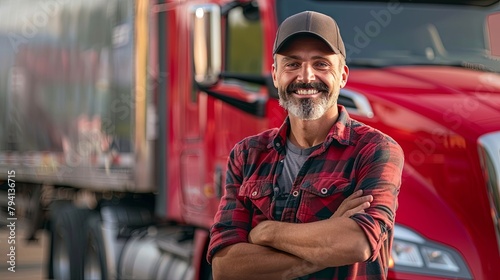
<point x="292" y="57"/>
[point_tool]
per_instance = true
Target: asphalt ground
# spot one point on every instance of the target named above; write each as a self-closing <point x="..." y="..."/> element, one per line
<point x="29" y="257"/>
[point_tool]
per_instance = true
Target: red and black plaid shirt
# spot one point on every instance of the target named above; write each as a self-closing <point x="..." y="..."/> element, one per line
<point x="353" y="156"/>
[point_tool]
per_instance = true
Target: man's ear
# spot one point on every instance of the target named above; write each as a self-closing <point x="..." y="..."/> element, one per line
<point x="345" y="75"/>
<point x="275" y="82"/>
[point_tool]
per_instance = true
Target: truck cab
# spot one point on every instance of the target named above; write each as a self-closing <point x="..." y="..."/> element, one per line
<point x="424" y="72"/>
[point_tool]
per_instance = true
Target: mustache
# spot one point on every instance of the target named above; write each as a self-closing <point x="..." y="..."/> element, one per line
<point x="317" y="86"/>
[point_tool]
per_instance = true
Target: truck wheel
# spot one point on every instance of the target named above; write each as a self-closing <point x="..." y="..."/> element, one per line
<point x="95" y="258"/>
<point x="67" y="241"/>
<point x="34" y="211"/>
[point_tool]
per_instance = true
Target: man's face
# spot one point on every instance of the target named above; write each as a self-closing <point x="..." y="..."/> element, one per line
<point x="308" y="76"/>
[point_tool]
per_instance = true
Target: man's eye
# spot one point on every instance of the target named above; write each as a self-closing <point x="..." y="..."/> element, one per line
<point x="292" y="64"/>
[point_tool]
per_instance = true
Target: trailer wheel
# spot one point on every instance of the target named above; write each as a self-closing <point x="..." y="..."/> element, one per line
<point x="34" y="211"/>
<point x="68" y="241"/>
<point x="95" y="257"/>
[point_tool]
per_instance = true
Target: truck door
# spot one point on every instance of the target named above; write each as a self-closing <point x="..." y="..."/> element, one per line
<point x="227" y="101"/>
<point x="193" y="125"/>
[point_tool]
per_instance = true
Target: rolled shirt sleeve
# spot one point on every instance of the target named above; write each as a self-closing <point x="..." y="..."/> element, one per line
<point x="380" y="176"/>
<point x="231" y="223"/>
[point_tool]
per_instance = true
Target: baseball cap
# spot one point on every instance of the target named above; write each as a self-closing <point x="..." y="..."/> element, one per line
<point x="309" y="22"/>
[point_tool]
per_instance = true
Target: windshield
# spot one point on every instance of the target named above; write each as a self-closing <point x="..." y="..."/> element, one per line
<point x="388" y="33"/>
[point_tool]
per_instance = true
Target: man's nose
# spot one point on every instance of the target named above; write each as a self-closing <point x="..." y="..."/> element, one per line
<point x="306" y="73"/>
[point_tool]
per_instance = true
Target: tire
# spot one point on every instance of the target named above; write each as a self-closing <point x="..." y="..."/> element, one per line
<point x="34" y="212"/>
<point x="95" y="257"/>
<point x="68" y="242"/>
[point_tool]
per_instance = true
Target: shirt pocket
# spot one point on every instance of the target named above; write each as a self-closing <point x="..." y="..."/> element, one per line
<point x="321" y="198"/>
<point x="259" y="194"/>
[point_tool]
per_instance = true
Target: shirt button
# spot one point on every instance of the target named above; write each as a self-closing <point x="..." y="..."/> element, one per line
<point x="254" y="193"/>
<point x="295" y="193"/>
<point x="324" y="190"/>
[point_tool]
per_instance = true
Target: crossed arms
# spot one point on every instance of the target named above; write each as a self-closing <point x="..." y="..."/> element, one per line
<point x="279" y="250"/>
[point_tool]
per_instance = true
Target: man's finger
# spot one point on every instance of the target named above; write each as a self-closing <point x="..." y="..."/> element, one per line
<point x="356" y="201"/>
<point x="352" y="206"/>
<point x="359" y="209"/>
<point x="354" y="195"/>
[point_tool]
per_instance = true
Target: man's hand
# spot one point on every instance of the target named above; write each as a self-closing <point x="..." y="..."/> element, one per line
<point x="355" y="203"/>
<point x="336" y="241"/>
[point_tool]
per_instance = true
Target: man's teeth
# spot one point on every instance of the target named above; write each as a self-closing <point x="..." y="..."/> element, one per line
<point x="306" y="91"/>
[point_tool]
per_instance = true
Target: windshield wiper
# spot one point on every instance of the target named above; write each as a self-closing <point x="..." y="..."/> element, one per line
<point x="380" y="63"/>
<point x="460" y="64"/>
<point x="474" y="66"/>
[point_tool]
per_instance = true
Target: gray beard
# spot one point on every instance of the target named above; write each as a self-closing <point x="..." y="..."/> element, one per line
<point x="305" y="109"/>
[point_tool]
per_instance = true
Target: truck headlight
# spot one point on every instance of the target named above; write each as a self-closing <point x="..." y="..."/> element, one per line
<point x="412" y="253"/>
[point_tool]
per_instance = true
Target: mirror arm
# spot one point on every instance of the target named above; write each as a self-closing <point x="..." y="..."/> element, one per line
<point x="256" y="79"/>
<point x="256" y="107"/>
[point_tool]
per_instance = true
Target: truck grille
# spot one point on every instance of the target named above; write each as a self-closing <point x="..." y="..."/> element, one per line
<point x="489" y="153"/>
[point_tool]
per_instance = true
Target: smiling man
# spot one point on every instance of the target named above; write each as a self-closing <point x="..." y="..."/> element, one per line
<point x="317" y="197"/>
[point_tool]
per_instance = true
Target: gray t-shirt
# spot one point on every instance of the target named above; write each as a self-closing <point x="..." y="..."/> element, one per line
<point x="294" y="160"/>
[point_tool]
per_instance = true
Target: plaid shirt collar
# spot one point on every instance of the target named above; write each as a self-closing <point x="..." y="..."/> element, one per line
<point x="340" y="131"/>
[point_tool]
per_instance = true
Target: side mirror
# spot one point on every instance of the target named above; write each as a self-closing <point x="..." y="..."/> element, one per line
<point x="206" y="43"/>
<point x="493" y="25"/>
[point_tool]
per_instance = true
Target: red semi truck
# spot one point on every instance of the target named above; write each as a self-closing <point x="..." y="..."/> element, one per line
<point x="118" y="117"/>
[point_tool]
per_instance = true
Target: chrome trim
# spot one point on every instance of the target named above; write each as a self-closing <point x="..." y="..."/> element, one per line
<point x="363" y="107"/>
<point x="489" y="153"/>
<point x="206" y="43"/>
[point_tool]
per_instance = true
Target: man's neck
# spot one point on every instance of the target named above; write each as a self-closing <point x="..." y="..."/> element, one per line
<point x="306" y="134"/>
